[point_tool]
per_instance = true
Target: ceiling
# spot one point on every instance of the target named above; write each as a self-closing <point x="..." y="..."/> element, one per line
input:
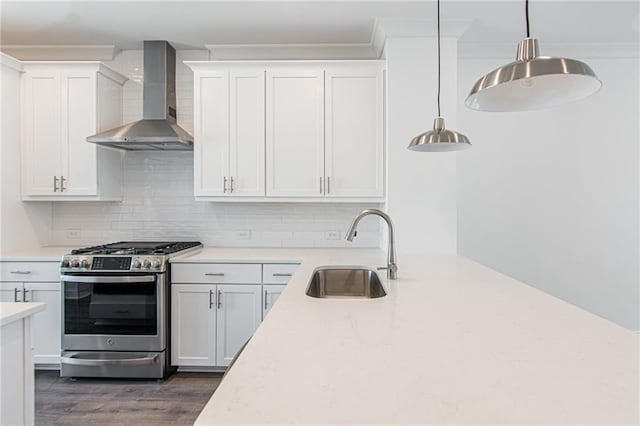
<point x="192" y="25"/>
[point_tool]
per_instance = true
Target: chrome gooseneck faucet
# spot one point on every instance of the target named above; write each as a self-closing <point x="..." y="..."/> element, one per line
<point x="392" y="267"/>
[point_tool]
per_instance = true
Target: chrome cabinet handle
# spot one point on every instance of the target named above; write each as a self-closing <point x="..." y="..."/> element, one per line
<point x="328" y="185"/>
<point x="265" y="300"/>
<point x="224" y="185"/>
<point x="55" y="184"/>
<point x="15" y="294"/>
<point x="321" y="184"/>
<point x="231" y="183"/>
<point x="24" y="295"/>
<point x="219" y="299"/>
<point x="214" y="274"/>
<point x="19" y="272"/>
<point x="281" y="274"/>
<point x="210" y="299"/>
<point x="62" y="188"/>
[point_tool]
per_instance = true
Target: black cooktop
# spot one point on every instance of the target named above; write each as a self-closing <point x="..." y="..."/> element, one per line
<point x="138" y="247"/>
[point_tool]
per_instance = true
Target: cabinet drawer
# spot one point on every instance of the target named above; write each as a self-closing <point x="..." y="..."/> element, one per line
<point x="219" y="273"/>
<point x="278" y="273"/>
<point x="30" y="271"/>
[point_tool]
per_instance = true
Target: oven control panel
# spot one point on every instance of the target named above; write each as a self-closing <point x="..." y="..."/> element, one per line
<point x="72" y="263"/>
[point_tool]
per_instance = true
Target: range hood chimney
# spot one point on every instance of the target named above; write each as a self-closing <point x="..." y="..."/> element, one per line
<point x="158" y="129"/>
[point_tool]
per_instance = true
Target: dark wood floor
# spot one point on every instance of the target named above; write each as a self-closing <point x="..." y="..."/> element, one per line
<point x="176" y="401"/>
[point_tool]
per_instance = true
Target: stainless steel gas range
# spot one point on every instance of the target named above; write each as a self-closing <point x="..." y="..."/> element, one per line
<point x="115" y="309"/>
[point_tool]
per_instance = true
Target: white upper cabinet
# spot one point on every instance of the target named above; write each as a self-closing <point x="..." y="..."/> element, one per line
<point x="229" y="132"/>
<point x="354" y="143"/>
<point x="289" y="131"/>
<point x="295" y="132"/>
<point x="63" y="104"/>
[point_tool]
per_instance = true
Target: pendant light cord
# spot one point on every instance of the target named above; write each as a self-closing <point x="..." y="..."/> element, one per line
<point x="439" y="58"/>
<point x="526" y="14"/>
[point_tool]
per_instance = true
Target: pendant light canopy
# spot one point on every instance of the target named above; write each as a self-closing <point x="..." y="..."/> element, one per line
<point x="532" y="81"/>
<point x="439" y="139"/>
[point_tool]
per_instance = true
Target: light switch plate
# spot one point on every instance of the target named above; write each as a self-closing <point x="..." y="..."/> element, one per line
<point x="74" y="234"/>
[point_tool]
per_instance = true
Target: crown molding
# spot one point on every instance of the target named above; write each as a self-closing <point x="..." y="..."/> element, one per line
<point x="232" y="52"/>
<point x="61" y="53"/>
<point x="10" y="62"/>
<point x="384" y="29"/>
<point x="507" y="51"/>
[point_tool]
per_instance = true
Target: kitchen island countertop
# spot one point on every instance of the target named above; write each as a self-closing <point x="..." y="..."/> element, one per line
<point x="453" y="342"/>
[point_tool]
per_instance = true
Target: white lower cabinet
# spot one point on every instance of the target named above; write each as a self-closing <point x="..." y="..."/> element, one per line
<point x="270" y="295"/>
<point x="210" y="323"/>
<point x="46" y="326"/>
<point x="239" y="315"/>
<point x="216" y="308"/>
<point x="193" y="324"/>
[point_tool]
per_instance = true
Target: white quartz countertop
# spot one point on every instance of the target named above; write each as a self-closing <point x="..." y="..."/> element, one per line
<point x="11" y="312"/>
<point x="37" y="254"/>
<point x="452" y="343"/>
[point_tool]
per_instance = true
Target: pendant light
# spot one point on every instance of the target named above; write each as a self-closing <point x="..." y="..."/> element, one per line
<point x="532" y="82"/>
<point x="439" y="139"/>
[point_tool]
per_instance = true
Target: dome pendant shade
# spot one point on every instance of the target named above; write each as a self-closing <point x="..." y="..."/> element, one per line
<point x="533" y="82"/>
<point x="439" y="139"/>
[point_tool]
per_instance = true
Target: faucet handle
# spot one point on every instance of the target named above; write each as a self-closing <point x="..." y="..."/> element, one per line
<point x="392" y="268"/>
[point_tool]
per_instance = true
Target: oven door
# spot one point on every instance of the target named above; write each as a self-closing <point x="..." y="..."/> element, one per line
<point x="114" y="312"/>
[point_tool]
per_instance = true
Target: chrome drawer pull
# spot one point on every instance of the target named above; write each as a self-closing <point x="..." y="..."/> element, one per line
<point x="15" y="294"/>
<point x="24" y="295"/>
<point x="265" y="300"/>
<point x="214" y="274"/>
<point x="20" y="272"/>
<point x="219" y="299"/>
<point x="281" y="274"/>
<point x="210" y="299"/>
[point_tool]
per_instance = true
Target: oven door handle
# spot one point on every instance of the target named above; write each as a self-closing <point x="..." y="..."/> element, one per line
<point x="71" y="360"/>
<point x="112" y="279"/>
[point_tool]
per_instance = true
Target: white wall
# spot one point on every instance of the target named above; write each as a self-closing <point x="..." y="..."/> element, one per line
<point x="158" y="194"/>
<point x="421" y="187"/>
<point x="21" y="225"/>
<point x="551" y="197"/>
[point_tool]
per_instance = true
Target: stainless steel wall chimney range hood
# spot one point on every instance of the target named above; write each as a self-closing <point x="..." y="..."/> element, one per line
<point x="158" y="129"/>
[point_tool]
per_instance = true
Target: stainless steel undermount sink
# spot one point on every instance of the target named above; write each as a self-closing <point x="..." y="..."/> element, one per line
<point x="345" y="282"/>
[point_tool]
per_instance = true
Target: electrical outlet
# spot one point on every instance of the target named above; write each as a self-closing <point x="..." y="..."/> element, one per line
<point x="332" y="235"/>
<point x="73" y="234"/>
<point x="244" y="234"/>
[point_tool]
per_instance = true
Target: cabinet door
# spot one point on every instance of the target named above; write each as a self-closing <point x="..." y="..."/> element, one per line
<point x="211" y="132"/>
<point x="42" y="133"/>
<point x="354" y="131"/>
<point x="46" y="328"/>
<point x="79" y="163"/>
<point x="193" y="324"/>
<point x="295" y="132"/>
<point x="239" y="315"/>
<point x="246" y="167"/>
<point x="270" y="295"/>
<point x="11" y="292"/>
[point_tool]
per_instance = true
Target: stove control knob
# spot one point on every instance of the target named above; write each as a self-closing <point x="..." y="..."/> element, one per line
<point x="65" y="263"/>
<point x="147" y="263"/>
<point x="155" y="263"/>
<point x="75" y="262"/>
<point x="84" y="263"/>
<point x="137" y="264"/>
